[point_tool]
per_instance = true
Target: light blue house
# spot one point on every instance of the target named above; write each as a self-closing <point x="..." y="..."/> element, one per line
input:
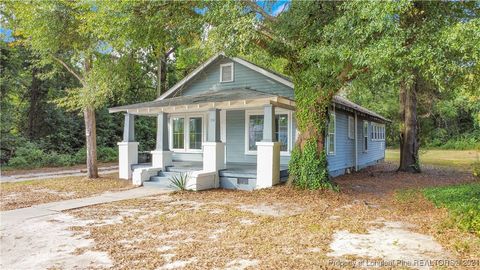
<point x="231" y="124"/>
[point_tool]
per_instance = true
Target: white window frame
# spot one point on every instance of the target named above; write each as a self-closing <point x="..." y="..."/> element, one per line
<point x="232" y="72"/>
<point x="278" y="111"/>
<point x="334" y="117"/>
<point x="378" y="131"/>
<point x="351" y="132"/>
<point x="186" y="132"/>
<point x="365" y="134"/>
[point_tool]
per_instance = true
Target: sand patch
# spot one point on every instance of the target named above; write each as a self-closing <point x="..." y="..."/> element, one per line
<point x="46" y="242"/>
<point x="393" y="241"/>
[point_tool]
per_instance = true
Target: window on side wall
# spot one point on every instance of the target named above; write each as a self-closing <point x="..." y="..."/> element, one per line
<point x="351" y="128"/>
<point x="226" y="73"/>
<point x="365" y="136"/>
<point x="331" y="135"/>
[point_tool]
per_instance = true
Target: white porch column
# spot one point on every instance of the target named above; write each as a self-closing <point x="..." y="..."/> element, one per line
<point x="213" y="148"/>
<point x="268" y="152"/>
<point x="161" y="156"/>
<point x="127" y="149"/>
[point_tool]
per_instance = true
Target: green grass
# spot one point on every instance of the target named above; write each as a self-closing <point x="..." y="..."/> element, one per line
<point x="459" y="159"/>
<point x="462" y="202"/>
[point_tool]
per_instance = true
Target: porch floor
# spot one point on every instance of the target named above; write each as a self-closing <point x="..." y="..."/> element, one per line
<point x="236" y="170"/>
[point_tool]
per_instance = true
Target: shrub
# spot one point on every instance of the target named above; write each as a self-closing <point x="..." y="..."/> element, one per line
<point x="27" y="156"/>
<point x="107" y="154"/>
<point x="80" y="157"/>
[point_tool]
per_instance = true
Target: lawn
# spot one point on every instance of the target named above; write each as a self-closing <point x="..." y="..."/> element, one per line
<point x="281" y="227"/>
<point x="27" y="193"/>
<point x="462" y="201"/>
<point x="459" y="159"/>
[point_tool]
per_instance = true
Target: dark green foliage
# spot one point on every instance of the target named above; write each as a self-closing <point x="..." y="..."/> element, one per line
<point x="462" y="201"/>
<point x="308" y="169"/>
<point x="31" y="156"/>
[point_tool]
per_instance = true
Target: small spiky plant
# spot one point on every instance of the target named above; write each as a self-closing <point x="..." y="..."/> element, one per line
<point x="179" y="181"/>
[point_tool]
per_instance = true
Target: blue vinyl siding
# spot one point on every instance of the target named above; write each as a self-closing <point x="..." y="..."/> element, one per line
<point x="345" y="148"/>
<point x="344" y="156"/>
<point x="376" y="149"/>
<point x="244" y="77"/>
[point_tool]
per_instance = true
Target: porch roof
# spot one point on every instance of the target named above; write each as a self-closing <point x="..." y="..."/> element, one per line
<point x="222" y="99"/>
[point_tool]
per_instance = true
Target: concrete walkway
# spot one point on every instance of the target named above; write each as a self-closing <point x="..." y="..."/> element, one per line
<point x="54" y="174"/>
<point x="19" y="215"/>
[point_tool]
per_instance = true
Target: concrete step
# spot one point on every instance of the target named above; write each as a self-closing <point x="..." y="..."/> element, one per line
<point x="167" y="174"/>
<point x="161" y="181"/>
<point x="182" y="169"/>
<point x="157" y="184"/>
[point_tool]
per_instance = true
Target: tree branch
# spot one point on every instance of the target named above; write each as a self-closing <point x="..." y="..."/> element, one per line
<point x="70" y="69"/>
<point x="255" y="7"/>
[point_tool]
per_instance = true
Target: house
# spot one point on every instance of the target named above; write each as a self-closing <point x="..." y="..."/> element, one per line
<point x="231" y="124"/>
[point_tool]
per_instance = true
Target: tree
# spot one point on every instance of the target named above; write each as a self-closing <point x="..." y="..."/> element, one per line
<point x="403" y="45"/>
<point x="153" y="29"/>
<point x="341" y="45"/>
<point x="299" y="35"/>
<point x="58" y="32"/>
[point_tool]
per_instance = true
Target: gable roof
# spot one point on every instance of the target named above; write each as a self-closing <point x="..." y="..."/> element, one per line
<point x="345" y="103"/>
<point x="270" y="74"/>
<point x="162" y="100"/>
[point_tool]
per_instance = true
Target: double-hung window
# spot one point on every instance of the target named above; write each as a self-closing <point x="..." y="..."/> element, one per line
<point x="281" y="131"/>
<point x="254" y="131"/>
<point x="351" y="128"/>
<point x="178" y="132"/>
<point x="331" y="135"/>
<point x="195" y="132"/>
<point x="365" y="136"/>
<point x="378" y="132"/>
<point x="186" y="132"/>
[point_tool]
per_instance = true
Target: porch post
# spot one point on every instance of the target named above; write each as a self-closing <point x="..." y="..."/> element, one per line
<point x="127" y="149"/>
<point x="161" y="156"/>
<point x="268" y="152"/>
<point x="213" y="148"/>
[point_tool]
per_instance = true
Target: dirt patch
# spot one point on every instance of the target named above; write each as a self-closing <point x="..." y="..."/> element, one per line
<point x="267" y="229"/>
<point x="47" y="242"/>
<point x="273" y="228"/>
<point x="28" y="193"/>
<point x="383" y="180"/>
<point x="392" y="242"/>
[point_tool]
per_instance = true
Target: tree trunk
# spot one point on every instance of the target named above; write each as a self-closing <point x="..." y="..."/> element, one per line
<point x="36" y="94"/>
<point x="161" y="75"/>
<point x="409" y="140"/>
<point x="91" y="142"/>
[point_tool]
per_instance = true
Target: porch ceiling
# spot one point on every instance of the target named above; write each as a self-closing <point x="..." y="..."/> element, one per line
<point x="225" y="99"/>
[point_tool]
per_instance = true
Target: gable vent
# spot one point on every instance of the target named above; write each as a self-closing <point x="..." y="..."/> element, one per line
<point x="226" y="72"/>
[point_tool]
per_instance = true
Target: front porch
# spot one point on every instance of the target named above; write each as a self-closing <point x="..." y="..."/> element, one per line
<point x="218" y="138"/>
<point x="235" y="175"/>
